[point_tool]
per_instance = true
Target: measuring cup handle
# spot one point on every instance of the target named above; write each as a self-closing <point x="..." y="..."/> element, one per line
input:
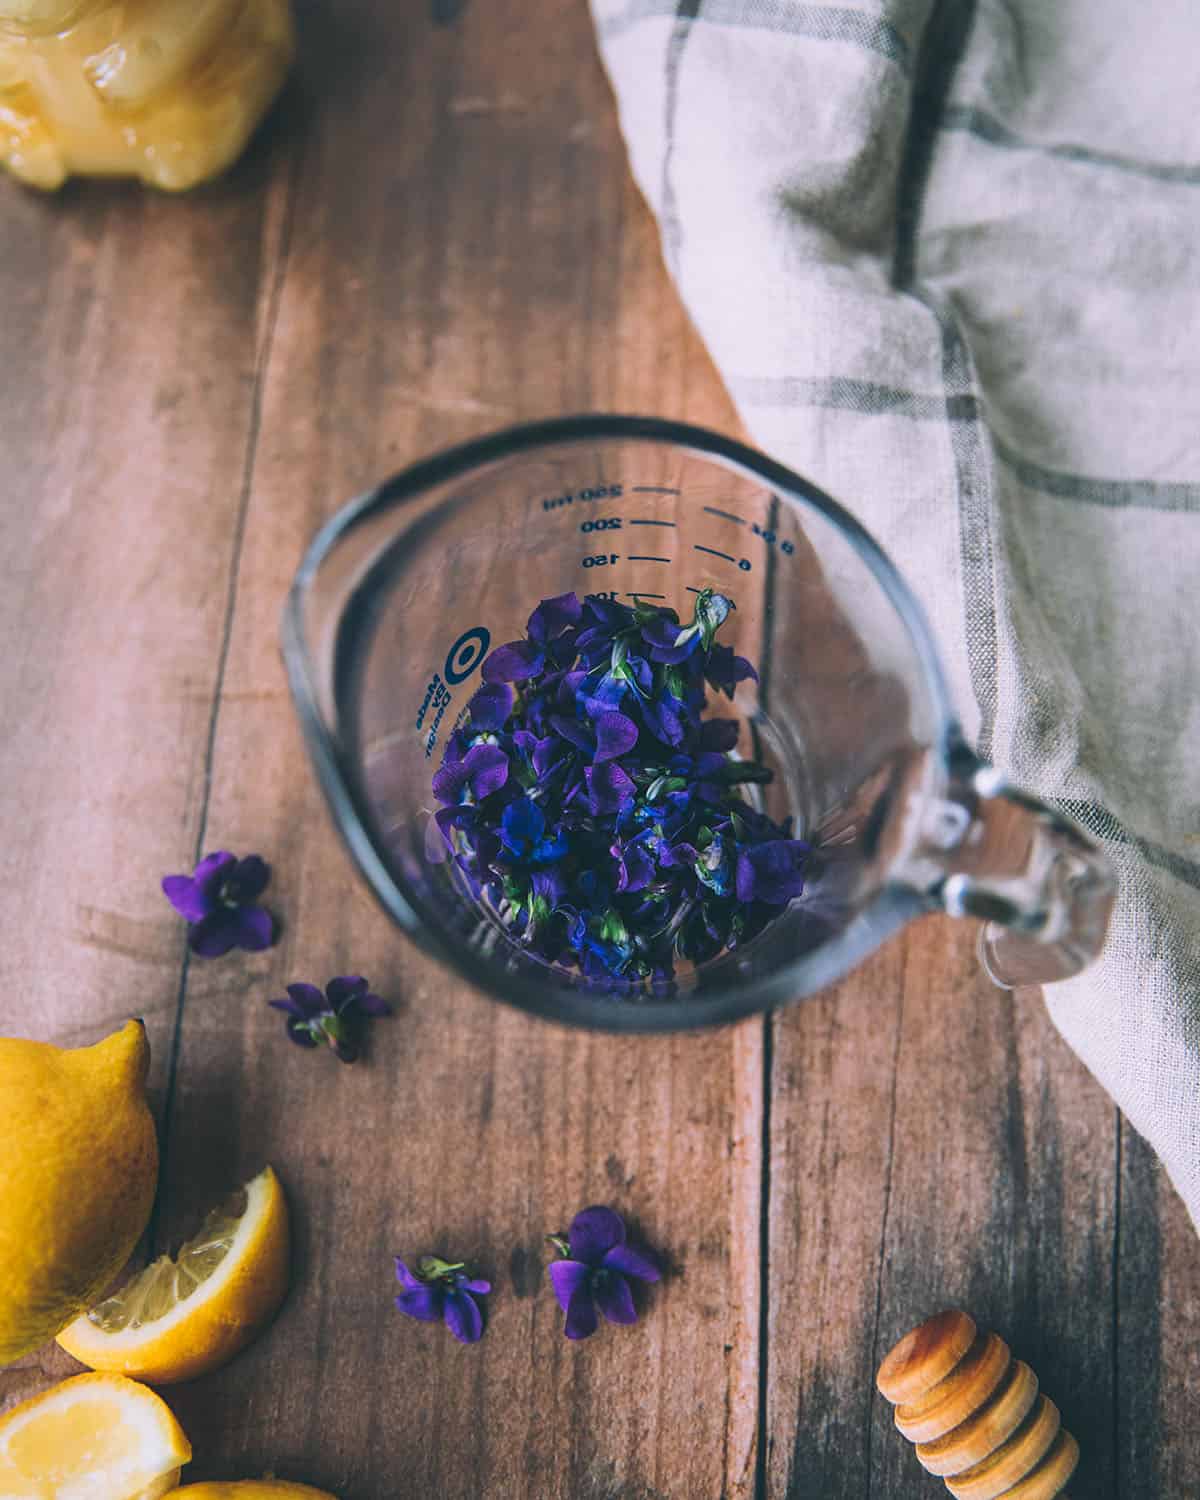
<point x="1043" y="888"/>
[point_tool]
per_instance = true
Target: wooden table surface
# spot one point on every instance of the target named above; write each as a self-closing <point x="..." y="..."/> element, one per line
<point x="437" y="235"/>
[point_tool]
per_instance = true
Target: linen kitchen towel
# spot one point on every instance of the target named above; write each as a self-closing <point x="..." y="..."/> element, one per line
<point x="947" y="258"/>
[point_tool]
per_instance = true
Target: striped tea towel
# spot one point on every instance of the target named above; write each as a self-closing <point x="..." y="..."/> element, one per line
<point x="946" y="254"/>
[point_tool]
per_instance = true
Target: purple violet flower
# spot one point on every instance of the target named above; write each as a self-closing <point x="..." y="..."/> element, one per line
<point x="719" y="734"/>
<point x="725" y="670"/>
<point x="519" y="660"/>
<point x="636" y="860"/>
<point x="335" y="1017"/>
<point x="668" y="642"/>
<point x="596" y="812"/>
<point x="772" y="872"/>
<point x="594" y="1273"/>
<point x="549" y="886"/>
<point x="599" y="698"/>
<point x="609" y="787"/>
<point x="522" y="826"/>
<point x="513" y="662"/>
<point x="554" y="616"/>
<point x="441" y="1291"/>
<point x="490" y="707"/>
<point x="666" y="718"/>
<point x="218" y="903"/>
<point x="483" y="770"/>
<point x="615" y="735"/>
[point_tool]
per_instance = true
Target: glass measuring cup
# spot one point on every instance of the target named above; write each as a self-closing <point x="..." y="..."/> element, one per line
<point x="402" y="595"/>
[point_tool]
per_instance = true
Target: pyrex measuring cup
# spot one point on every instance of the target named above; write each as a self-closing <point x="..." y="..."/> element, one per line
<point x="402" y="595"/>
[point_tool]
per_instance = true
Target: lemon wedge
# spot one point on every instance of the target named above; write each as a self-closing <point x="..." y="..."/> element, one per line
<point x="185" y="1316"/>
<point x="250" y="1489"/>
<point x="94" y="1437"/>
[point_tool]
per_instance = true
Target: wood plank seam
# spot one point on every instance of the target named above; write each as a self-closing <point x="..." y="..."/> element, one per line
<point x="277" y="275"/>
<point x="762" y="1424"/>
<point x="883" y="1228"/>
<point x="1118" y="1467"/>
<point x="763" y="1419"/>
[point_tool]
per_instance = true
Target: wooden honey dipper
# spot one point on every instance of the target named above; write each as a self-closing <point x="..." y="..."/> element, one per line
<point x="975" y="1414"/>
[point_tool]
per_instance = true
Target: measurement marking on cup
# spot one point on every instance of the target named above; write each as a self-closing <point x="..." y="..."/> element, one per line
<point x="725" y="515"/>
<point x="599" y="492"/>
<point x="654" y="489"/>
<point x="649" y="559"/>
<point x="691" y="590"/>
<point x="770" y="537"/>
<point x="742" y="562"/>
<point x="635" y="522"/>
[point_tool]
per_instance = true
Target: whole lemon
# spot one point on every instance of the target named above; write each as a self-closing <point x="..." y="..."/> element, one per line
<point x="77" y="1176"/>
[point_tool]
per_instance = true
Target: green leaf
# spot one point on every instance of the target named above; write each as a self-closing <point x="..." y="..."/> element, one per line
<point x="712" y="610"/>
<point x="644" y="613"/>
<point x="434" y="1268"/>
<point x="734" y="772"/>
<point x="612" y="928"/>
<point x="561" y="1244"/>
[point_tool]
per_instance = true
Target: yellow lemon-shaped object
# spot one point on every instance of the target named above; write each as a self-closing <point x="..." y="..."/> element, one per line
<point x="165" y="90"/>
<point x="95" y="1437"/>
<point x="77" y="1175"/>
<point x="250" y="1489"/>
<point x="180" y="1318"/>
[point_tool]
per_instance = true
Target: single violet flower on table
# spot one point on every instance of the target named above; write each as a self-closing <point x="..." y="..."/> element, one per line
<point x="594" y="1274"/>
<point x="219" y="903"/>
<point x="441" y="1291"/>
<point x="335" y="1017"/>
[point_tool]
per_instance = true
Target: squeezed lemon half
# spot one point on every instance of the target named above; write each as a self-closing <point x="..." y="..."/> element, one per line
<point x="184" y="1316"/>
<point x="94" y="1437"/>
<point x="165" y="90"/>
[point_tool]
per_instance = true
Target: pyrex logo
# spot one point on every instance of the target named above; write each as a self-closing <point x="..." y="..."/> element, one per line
<point x="466" y="654"/>
<point x="461" y="660"/>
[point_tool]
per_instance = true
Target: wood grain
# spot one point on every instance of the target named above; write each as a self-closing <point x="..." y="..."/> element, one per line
<point x="128" y="332"/>
<point x="438" y="235"/>
<point x="934" y="1144"/>
<point x="478" y="274"/>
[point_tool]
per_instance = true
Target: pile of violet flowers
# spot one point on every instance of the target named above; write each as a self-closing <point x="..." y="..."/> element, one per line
<point x="587" y="800"/>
